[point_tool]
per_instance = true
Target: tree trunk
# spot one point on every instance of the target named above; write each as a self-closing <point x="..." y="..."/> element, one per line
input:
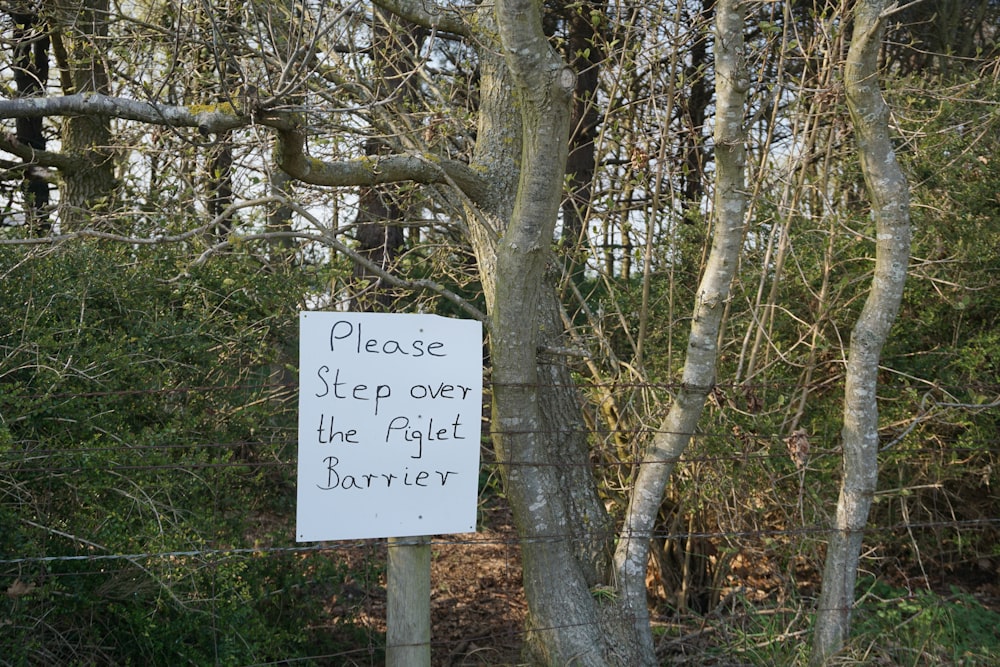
<point x="536" y="412"/>
<point x="224" y="24"/>
<point x="694" y="110"/>
<point x="583" y="49"/>
<point x="889" y="194"/>
<point x="576" y="613"/>
<point x="379" y="236"/>
<point x="31" y="72"/>
<point x="674" y="434"/>
<point x="79" y="48"/>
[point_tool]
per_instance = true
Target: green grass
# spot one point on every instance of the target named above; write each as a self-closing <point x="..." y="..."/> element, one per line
<point x="891" y="627"/>
<point x="898" y="627"/>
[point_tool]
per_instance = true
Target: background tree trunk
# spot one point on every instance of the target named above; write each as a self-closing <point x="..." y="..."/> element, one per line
<point x="584" y="54"/>
<point x="224" y="24"/>
<point x="31" y="73"/>
<point x="379" y="235"/>
<point x="889" y="194"/>
<point x="86" y="189"/>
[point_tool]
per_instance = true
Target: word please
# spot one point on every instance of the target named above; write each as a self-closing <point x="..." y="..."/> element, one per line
<point x="345" y="335"/>
<point x="418" y="479"/>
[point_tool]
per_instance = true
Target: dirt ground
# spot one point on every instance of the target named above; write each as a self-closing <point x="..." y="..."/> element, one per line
<point x="478" y="607"/>
<point x="477" y="598"/>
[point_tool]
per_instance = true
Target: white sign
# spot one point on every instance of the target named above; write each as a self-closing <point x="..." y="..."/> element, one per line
<point x="389" y="425"/>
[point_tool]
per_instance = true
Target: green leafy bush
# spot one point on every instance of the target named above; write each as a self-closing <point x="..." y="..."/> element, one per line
<point x="145" y="419"/>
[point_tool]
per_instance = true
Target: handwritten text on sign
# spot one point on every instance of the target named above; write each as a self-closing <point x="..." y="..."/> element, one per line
<point x="389" y="423"/>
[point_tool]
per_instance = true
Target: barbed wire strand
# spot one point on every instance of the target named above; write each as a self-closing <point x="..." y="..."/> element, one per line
<point x="514" y="540"/>
<point x="988" y="387"/>
<point x="17" y="463"/>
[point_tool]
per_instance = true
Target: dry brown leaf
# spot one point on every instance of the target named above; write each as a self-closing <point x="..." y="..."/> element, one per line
<point x="19" y="589"/>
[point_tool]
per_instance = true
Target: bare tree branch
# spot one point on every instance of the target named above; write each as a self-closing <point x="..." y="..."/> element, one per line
<point x="37" y="156"/>
<point x="375" y="170"/>
<point x="208" y="118"/>
<point x="326" y="237"/>
<point x="213" y="119"/>
<point x="428" y="14"/>
<point x="150" y="240"/>
<point x="322" y="235"/>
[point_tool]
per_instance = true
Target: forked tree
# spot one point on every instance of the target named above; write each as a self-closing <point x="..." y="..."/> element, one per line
<point x="509" y="193"/>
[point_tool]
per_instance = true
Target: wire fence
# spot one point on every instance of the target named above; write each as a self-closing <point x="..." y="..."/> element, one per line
<point x="755" y="556"/>
<point x="509" y="538"/>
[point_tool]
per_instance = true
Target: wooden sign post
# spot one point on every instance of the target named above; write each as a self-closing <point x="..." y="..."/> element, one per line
<point x="408" y="608"/>
<point x="389" y="422"/>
